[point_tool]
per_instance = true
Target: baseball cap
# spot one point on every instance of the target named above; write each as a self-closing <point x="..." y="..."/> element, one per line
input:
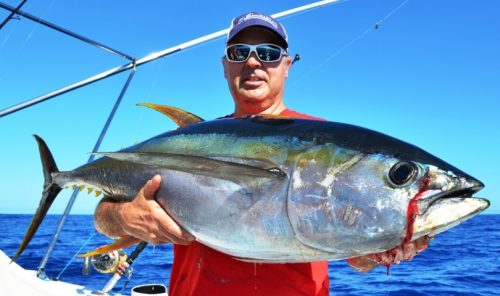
<point x="251" y="19"/>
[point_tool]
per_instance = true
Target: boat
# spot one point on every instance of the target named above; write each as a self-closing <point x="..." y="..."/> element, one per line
<point x="18" y="281"/>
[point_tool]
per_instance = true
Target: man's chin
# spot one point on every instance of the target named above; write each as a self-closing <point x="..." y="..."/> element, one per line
<point x="253" y="96"/>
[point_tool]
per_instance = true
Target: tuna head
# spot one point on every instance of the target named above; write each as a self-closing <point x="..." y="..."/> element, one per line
<point x="373" y="202"/>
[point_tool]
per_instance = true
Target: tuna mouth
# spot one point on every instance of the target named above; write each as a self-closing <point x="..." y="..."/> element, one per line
<point x="463" y="193"/>
<point x="449" y="209"/>
<point x="465" y="189"/>
<point x="468" y="188"/>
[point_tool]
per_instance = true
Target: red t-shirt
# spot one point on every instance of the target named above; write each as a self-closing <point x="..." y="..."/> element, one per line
<point x="200" y="270"/>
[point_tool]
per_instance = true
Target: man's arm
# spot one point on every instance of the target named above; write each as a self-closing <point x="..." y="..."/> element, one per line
<point x="405" y="252"/>
<point x="142" y="218"/>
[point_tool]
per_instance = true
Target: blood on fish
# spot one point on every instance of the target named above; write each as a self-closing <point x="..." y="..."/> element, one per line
<point x="413" y="209"/>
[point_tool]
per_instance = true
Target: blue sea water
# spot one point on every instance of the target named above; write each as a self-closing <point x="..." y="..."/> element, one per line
<point x="462" y="261"/>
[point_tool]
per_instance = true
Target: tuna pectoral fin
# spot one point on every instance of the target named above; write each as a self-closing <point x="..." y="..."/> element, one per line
<point x="121" y="243"/>
<point x="179" y="116"/>
<point x="223" y="168"/>
<point x="50" y="191"/>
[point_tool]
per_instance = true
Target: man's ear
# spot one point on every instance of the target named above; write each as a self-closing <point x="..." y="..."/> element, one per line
<point x="224" y="66"/>
<point x="288" y="62"/>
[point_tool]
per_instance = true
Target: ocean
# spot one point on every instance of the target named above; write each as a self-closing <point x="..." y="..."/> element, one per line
<point x="462" y="261"/>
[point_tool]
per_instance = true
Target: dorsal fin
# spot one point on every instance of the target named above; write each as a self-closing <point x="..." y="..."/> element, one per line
<point x="179" y="116"/>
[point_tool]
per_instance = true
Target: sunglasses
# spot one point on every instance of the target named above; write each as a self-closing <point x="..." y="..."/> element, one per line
<point x="265" y="52"/>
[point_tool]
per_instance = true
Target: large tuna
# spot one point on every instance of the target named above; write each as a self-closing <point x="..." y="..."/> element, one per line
<point x="282" y="190"/>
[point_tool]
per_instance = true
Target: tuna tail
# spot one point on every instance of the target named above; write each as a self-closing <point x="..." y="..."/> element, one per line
<point x="50" y="191"/>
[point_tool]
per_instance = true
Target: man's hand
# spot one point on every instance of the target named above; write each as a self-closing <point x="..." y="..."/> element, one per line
<point x="405" y="252"/>
<point x="142" y="218"/>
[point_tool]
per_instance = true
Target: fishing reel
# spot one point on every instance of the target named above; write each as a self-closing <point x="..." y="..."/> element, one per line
<point x="104" y="263"/>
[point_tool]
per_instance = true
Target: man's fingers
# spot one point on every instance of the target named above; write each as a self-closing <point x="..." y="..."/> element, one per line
<point x="154" y="224"/>
<point x="409" y="251"/>
<point x="361" y="264"/>
<point x="171" y="229"/>
<point x="383" y="258"/>
<point x="397" y="255"/>
<point x="405" y="252"/>
<point x="422" y="243"/>
<point x="151" y="187"/>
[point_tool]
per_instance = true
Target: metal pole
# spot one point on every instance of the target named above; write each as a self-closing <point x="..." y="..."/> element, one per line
<point x="16" y="10"/>
<point x="148" y="59"/>
<point x="43" y="263"/>
<point x="65" y="31"/>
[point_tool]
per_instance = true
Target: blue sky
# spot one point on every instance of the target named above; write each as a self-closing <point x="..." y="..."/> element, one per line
<point x="429" y="75"/>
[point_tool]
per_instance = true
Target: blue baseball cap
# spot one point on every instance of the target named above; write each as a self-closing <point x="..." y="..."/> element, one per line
<point x="251" y="19"/>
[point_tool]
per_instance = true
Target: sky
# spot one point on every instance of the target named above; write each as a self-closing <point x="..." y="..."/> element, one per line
<point x="426" y="72"/>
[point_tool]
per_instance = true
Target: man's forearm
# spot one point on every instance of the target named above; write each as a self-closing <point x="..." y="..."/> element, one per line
<point x="106" y="220"/>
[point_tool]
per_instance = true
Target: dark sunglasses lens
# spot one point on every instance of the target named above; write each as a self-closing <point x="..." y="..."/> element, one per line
<point x="238" y="52"/>
<point x="269" y="53"/>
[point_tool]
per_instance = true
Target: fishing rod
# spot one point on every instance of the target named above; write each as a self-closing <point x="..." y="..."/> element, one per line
<point x="149" y="58"/>
<point x="63" y="30"/>
<point x="123" y="268"/>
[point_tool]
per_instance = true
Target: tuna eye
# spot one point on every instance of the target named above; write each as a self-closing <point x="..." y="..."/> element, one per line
<point x="402" y="173"/>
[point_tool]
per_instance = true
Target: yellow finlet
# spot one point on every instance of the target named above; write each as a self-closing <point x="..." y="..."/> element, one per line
<point x="97" y="193"/>
<point x="120" y="243"/>
<point x="179" y="116"/>
<point x="90" y="190"/>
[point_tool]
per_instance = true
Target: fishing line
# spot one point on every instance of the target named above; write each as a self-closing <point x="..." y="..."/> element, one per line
<point x="35" y="27"/>
<point x="140" y="117"/>
<point x="159" y="71"/>
<point x="348" y="44"/>
<point x="306" y="11"/>
<point x="74" y="256"/>
<point x="13" y="29"/>
<point x="394" y="11"/>
<point x="7" y="36"/>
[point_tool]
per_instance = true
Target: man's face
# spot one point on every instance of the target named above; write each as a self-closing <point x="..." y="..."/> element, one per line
<point x="256" y="86"/>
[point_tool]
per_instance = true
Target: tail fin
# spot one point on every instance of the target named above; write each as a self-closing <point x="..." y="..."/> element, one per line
<point x="50" y="191"/>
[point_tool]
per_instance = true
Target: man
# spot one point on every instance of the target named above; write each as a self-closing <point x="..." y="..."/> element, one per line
<point x="256" y="65"/>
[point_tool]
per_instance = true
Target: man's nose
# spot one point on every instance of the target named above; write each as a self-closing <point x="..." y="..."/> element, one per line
<point x="253" y="61"/>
